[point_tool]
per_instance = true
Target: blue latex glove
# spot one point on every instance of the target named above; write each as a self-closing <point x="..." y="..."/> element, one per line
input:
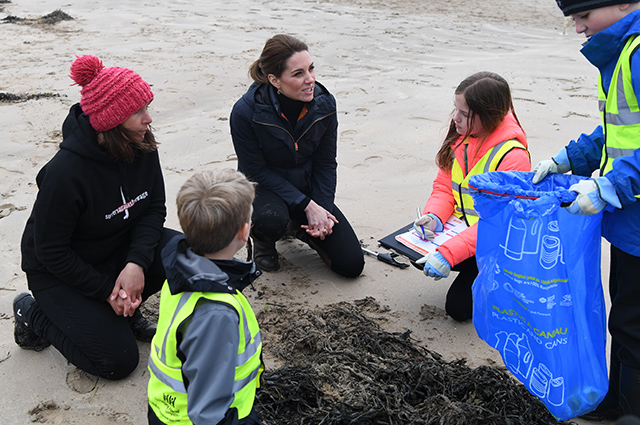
<point x="593" y="196"/>
<point x="435" y="265"/>
<point x="426" y="225"/>
<point x="559" y="164"/>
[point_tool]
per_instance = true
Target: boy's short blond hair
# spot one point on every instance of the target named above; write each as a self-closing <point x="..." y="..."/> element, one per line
<point x="213" y="206"/>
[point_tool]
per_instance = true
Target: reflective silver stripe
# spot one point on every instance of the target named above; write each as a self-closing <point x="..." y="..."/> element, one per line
<point x="623" y="118"/>
<point x="251" y="350"/>
<point x="455" y="186"/>
<point x="238" y="385"/>
<point x="602" y="105"/>
<point x="494" y="152"/>
<point x="618" y="152"/>
<point x="468" y="211"/>
<point x="624" y="115"/>
<point x="464" y="190"/>
<point x="174" y="384"/>
<point x="183" y="300"/>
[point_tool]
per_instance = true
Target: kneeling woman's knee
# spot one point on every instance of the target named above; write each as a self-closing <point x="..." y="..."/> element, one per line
<point x="349" y="266"/>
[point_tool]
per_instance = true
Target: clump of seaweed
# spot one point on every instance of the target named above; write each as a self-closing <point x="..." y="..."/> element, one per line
<point x="340" y="368"/>
<point x="11" y="19"/>
<point x="55" y="17"/>
<point x="50" y="19"/>
<point x="11" y="97"/>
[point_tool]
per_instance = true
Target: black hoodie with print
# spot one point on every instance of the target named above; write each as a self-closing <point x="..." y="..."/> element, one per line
<point x="93" y="211"/>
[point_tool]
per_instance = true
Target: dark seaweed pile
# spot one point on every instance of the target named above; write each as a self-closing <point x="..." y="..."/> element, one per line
<point x="55" y="17"/>
<point x="50" y="19"/>
<point x="341" y="368"/>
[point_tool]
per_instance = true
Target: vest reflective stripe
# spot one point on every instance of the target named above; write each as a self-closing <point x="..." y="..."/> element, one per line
<point x="464" y="208"/>
<point x="167" y="393"/>
<point x="619" y="111"/>
<point x="175" y="384"/>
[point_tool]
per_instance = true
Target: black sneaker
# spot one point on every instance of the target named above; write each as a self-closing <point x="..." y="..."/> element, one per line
<point x="143" y="329"/>
<point x="606" y="414"/>
<point x="24" y="336"/>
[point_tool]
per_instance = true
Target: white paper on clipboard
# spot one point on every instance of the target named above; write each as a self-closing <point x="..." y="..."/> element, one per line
<point x="411" y="240"/>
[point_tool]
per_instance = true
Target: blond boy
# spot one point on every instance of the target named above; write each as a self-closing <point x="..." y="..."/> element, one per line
<point x="205" y="359"/>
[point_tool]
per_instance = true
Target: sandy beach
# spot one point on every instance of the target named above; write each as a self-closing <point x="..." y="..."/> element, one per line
<point x="392" y="65"/>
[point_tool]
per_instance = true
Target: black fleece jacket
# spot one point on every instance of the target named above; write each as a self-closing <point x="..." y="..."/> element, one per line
<point x="93" y="213"/>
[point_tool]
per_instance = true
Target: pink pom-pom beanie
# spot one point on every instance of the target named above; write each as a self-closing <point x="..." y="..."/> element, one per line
<point x="109" y="95"/>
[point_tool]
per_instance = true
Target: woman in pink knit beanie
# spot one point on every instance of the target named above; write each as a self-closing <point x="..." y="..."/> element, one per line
<point x="91" y="247"/>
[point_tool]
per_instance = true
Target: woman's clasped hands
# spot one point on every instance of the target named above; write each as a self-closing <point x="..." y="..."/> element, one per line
<point x="320" y="221"/>
<point x="127" y="291"/>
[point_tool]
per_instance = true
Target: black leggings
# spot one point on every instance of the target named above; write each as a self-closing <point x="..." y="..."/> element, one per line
<point x="624" y="317"/>
<point x="459" y="298"/>
<point x="85" y="330"/>
<point x="340" y="250"/>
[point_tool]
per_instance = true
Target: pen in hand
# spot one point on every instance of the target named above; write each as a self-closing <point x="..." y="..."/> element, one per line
<point x="421" y="231"/>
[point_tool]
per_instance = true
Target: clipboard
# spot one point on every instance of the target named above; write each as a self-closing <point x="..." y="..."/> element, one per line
<point x="412" y="247"/>
<point x="390" y="242"/>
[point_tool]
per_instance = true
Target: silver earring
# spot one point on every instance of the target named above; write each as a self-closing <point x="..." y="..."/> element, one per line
<point x="279" y="91"/>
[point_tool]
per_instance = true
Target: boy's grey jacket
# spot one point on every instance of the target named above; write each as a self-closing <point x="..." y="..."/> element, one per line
<point x="208" y="339"/>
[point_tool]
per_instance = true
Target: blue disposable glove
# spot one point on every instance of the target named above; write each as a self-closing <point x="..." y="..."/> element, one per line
<point x="435" y="265"/>
<point x="559" y="164"/>
<point x="426" y="225"/>
<point x="593" y="196"/>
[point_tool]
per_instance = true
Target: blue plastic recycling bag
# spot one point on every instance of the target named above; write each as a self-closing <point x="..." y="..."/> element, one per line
<point x="538" y="297"/>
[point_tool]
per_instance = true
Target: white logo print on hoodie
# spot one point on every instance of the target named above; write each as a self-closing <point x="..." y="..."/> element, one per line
<point x="126" y="205"/>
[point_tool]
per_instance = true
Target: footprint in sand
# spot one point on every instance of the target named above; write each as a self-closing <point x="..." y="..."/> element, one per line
<point x="348" y="133"/>
<point x="81" y="382"/>
<point x="41" y="411"/>
<point x="369" y="160"/>
<point x="6" y="209"/>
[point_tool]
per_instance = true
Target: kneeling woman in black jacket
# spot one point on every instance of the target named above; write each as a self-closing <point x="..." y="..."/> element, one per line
<point x="91" y="247"/>
<point x="284" y="132"/>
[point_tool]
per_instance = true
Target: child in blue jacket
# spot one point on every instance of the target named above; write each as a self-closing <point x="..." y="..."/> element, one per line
<point x="612" y="28"/>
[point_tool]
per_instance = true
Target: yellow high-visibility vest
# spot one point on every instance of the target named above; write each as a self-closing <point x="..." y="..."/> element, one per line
<point x="619" y="111"/>
<point x="166" y="390"/>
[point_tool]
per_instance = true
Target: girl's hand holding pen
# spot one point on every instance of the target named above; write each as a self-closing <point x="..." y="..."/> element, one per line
<point x="426" y="225"/>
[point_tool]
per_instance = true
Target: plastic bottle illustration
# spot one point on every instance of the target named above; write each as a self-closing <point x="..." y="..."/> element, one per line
<point x="523" y="237"/>
<point x="516" y="353"/>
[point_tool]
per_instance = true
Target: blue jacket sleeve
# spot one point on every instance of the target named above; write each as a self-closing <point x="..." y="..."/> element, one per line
<point x="251" y="161"/>
<point x="585" y="153"/>
<point x="210" y="346"/>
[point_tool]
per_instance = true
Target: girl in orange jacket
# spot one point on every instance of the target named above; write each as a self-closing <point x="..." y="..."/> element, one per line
<point x="484" y="135"/>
